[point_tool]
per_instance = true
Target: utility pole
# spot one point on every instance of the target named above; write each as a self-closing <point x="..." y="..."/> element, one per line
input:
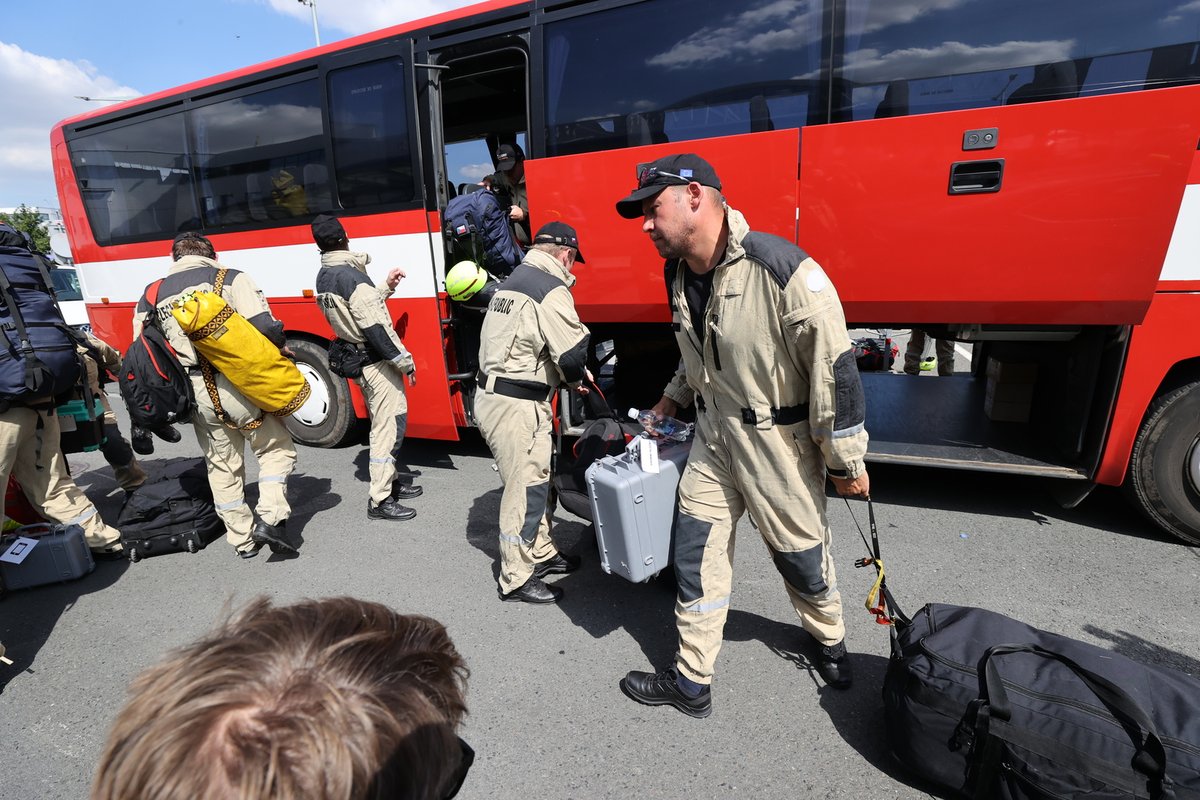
<point x="312" y="5"/>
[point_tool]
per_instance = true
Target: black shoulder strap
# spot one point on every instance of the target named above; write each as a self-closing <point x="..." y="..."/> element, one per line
<point x="151" y="298"/>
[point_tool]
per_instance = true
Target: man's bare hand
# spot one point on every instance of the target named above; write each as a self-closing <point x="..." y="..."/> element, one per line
<point x="287" y="352"/>
<point x="853" y="487"/>
<point x="666" y="407"/>
<point x="395" y="276"/>
<point x="516" y="214"/>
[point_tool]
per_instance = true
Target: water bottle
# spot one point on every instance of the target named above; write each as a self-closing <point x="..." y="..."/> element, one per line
<point x="660" y="426"/>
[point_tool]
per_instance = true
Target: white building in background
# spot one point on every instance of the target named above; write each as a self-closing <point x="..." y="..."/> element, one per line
<point x="52" y="221"/>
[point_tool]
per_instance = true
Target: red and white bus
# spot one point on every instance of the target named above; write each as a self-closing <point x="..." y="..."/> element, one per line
<point x="1019" y="175"/>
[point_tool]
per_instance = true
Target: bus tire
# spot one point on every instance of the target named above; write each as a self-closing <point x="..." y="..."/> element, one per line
<point x="327" y="419"/>
<point x="1164" y="468"/>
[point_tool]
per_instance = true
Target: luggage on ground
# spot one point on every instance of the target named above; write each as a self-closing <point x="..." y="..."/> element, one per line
<point x="634" y="511"/>
<point x="61" y="554"/>
<point x="477" y="228"/>
<point x="227" y="342"/>
<point x="986" y="706"/>
<point x="172" y="513"/>
<point x="37" y="350"/>
<point x="17" y="507"/>
<point x="874" y="353"/>
<point x="154" y="385"/>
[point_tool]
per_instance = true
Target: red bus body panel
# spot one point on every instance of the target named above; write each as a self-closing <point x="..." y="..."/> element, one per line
<point x="1075" y="236"/>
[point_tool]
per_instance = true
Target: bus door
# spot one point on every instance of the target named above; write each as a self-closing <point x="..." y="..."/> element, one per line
<point x="477" y="99"/>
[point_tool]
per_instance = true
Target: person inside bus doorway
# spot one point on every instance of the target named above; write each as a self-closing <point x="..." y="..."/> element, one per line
<point x="356" y="311"/>
<point x="532" y="342"/>
<point x="768" y="362"/>
<point x="509" y="182"/>
<point x="195" y="268"/>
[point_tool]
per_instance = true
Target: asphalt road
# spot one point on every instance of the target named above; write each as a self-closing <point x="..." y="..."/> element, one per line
<point x="546" y="717"/>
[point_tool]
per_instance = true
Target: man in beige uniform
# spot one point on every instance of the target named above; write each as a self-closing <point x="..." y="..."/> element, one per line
<point x="98" y="356"/>
<point x="196" y="268"/>
<point x="31" y="452"/>
<point x="509" y="181"/>
<point x="532" y="342"/>
<point x="767" y="359"/>
<point x="359" y="318"/>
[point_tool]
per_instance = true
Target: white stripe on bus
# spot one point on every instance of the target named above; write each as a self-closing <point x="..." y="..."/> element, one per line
<point x="1183" y="255"/>
<point x="279" y="271"/>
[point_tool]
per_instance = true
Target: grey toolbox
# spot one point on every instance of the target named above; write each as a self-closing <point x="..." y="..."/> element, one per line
<point x="634" y="511"/>
<point x="61" y="554"/>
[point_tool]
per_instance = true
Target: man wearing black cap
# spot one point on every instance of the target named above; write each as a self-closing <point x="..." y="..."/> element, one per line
<point x="509" y="182"/>
<point x="359" y="317"/>
<point x="533" y="342"/>
<point x="195" y="268"/>
<point x="768" y="362"/>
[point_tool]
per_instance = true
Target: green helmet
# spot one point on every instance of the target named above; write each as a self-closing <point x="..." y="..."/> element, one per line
<point x="465" y="279"/>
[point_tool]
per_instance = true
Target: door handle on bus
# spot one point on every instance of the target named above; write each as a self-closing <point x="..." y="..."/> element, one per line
<point x="976" y="177"/>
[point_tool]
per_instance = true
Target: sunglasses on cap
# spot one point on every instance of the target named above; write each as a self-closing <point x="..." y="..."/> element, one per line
<point x="460" y="774"/>
<point x="648" y="175"/>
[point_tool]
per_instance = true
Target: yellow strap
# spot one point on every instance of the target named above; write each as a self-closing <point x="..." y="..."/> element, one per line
<point x="873" y="595"/>
<point x="219" y="283"/>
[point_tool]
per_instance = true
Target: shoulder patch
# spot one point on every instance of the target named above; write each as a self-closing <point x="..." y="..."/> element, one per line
<point x="816" y="280"/>
<point x="531" y="282"/>
<point x="779" y="256"/>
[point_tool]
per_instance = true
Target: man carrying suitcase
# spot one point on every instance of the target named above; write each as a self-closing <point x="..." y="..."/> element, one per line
<point x="195" y="269"/>
<point x="768" y="362"/>
<point x="533" y="342"/>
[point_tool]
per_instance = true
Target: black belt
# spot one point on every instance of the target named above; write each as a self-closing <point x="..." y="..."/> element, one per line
<point x="788" y="415"/>
<point x="522" y="390"/>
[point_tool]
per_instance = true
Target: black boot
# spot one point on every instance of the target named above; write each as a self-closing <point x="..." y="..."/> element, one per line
<point x="534" y="591"/>
<point x="834" y="665"/>
<point x="662" y="689"/>
<point x="389" y="509"/>
<point x="559" y="564"/>
<point x="142" y="441"/>
<point x="167" y="433"/>
<point x="272" y="535"/>
<point x="405" y="491"/>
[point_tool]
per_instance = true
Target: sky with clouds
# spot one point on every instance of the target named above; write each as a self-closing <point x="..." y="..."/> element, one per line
<point x="54" y="51"/>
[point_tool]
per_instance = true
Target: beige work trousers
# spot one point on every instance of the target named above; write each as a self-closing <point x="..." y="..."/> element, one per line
<point x="224" y="451"/>
<point x="519" y="435"/>
<point x="116" y="450"/>
<point x="776" y="474"/>
<point x="942" y="348"/>
<point x="383" y="389"/>
<point x="45" y="480"/>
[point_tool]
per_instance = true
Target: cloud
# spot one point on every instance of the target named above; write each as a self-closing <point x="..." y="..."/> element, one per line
<point x="361" y="16"/>
<point x="38" y="92"/>
<point x="474" y="173"/>
<point x="870" y="66"/>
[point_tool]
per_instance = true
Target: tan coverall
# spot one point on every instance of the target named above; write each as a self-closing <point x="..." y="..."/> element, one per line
<point x="117" y="452"/>
<point x="532" y="342"/>
<point x="224" y="447"/>
<point x="502" y="182"/>
<point x="32" y="454"/>
<point x="357" y="313"/>
<point x="780" y="405"/>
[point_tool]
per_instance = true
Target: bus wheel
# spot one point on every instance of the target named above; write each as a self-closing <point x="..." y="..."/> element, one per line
<point x="327" y="418"/>
<point x="1164" y="469"/>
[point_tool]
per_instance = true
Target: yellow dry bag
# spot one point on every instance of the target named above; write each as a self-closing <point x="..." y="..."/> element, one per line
<point x="226" y="341"/>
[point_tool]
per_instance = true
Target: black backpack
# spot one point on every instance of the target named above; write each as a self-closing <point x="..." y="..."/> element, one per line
<point x="874" y="354"/>
<point x="603" y="436"/>
<point x="154" y="385"/>
<point x="37" y="351"/>
<point x="477" y="229"/>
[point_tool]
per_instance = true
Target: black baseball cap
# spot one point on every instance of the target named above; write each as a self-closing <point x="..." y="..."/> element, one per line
<point x="327" y="232"/>
<point x="508" y="156"/>
<point x="559" y="233"/>
<point x="676" y="170"/>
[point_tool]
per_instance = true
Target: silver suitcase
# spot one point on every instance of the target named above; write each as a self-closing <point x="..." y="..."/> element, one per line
<point x="634" y="511"/>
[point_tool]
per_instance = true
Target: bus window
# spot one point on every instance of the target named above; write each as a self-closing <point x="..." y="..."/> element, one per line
<point x="260" y="156"/>
<point x="685" y="69"/>
<point x="372" y="154"/>
<point x="135" y="180"/>
<point x="949" y="56"/>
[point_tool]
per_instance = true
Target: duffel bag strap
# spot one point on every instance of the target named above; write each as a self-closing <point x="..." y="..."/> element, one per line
<point x="219" y="283"/>
<point x="1150" y="758"/>
<point x="210" y="384"/>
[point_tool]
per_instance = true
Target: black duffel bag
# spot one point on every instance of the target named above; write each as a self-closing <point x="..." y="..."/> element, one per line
<point x="171" y="514"/>
<point x="987" y="706"/>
